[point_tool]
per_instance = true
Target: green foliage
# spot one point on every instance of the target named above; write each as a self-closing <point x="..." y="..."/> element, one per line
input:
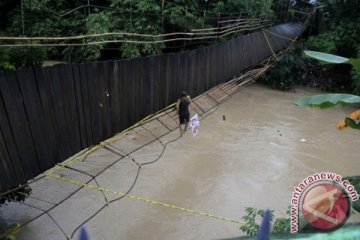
<point x="355" y="75"/>
<point x="25" y="56"/>
<point x="292" y="69"/>
<point x="282" y="77"/>
<point x="352" y="123"/>
<point x="253" y="218"/>
<point x="138" y="20"/>
<point x="346" y="232"/>
<point x="261" y="8"/>
<point x="336" y="11"/>
<point x="327" y="100"/>
<point x="8" y="237"/>
<point x="5" y="63"/>
<point x="282" y="225"/>
<point x="97" y="22"/>
<point x="324" y="42"/>
<point x="341" y="39"/>
<point x="17" y="196"/>
<point x="68" y="18"/>
<point x="355" y="82"/>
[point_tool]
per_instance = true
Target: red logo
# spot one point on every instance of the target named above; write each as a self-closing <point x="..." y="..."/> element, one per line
<point x="326" y="206"/>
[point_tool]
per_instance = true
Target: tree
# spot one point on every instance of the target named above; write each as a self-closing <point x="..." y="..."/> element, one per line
<point x="44" y="18"/>
<point x="341" y="19"/>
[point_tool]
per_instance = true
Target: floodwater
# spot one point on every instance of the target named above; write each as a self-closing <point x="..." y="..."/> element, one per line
<point x="250" y="152"/>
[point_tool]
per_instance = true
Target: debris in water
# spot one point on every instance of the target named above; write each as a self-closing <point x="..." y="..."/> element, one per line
<point x="224" y="117"/>
<point x="303" y="140"/>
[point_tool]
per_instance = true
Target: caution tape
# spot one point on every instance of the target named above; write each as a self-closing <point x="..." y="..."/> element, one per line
<point x="153" y="202"/>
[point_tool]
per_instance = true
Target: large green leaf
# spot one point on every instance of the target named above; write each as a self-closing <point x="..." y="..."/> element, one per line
<point x="325" y="57"/>
<point x="327" y="100"/>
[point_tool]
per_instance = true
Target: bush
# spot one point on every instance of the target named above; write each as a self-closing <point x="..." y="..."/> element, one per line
<point x="17" y="196"/>
<point x="341" y="39"/>
<point x="253" y="218"/>
<point x="292" y="69"/>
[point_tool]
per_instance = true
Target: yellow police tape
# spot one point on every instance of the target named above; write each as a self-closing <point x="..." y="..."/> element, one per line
<point x="102" y="144"/>
<point x="280" y="36"/>
<point x="153" y="202"/>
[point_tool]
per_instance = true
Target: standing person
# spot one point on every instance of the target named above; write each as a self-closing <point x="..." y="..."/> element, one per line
<point x="182" y="107"/>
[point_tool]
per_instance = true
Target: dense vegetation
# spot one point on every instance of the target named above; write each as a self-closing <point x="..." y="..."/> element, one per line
<point x="55" y="18"/>
<point x="339" y="33"/>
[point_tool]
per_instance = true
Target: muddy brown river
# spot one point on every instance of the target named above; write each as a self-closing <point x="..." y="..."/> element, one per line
<point x="254" y="158"/>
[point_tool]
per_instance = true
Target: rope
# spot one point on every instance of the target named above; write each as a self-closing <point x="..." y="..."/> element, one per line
<point x="211" y="35"/>
<point x="130" y="34"/>
<point x="267" y="40"/>
<point x="146" y="200"/>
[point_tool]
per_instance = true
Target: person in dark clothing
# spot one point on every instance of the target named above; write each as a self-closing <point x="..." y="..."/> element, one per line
<point x="182" y="107"/>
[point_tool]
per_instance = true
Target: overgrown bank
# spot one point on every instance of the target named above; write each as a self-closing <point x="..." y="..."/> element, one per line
<point x="341" y="37"/>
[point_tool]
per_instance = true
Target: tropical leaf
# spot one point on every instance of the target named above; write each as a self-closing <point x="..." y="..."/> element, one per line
<point x="327" y="100"/>
<point x="325" y="57"/>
